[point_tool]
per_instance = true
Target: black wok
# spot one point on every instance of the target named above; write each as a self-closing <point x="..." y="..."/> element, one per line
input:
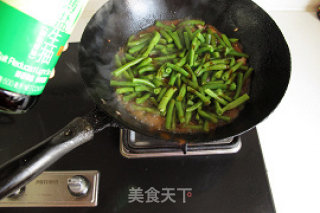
<point x="110" y="28"/>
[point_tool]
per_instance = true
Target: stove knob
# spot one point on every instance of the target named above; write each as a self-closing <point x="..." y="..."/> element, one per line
<point x="78" y="185"/>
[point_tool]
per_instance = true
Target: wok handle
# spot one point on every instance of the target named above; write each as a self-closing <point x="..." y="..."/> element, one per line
<point x="25" y="167"/>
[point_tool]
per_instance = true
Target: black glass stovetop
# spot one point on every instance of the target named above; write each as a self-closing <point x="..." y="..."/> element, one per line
<point x="220" y="183"/>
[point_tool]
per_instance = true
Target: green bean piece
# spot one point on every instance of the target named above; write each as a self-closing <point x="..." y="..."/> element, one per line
<point x="169" y="115"/>
<point x="217" y="61"/>
<point x="232" y="62"/>
<point x="176" y="60"/>
<point x="156" y="91"/>
<point x="247" y="74"/>
<point x="163" y="41"/>
<point x="166" y="98"/>
<point x="218" y="74"/>
<point x="206" y="126"/>
<point x="233" y="40"/>
<point x="214" y="86"/>
<point x="182" y="53"/>
<point x="233" y="86"/>
<point x="143" y="35"/>
<point x="129" y="97"/>
<point x="207" y="116"/>
<point x="123" y="68"/>
<point x="193" y="75"/>
<point x="131" y="38"/>
<point x="224" y="118"/>
<point x="217" y="67"/>
<point x="143" y="63"/>
<point x="174" y="119"/>
<point x="167" y="72"/>
<point x="189" y="102"/>
<point x="186" y="40"/>
<point x="215" y="96"/>
<point x="201" y="96"/>
<point x="161" y="94"/>
<point x="165" y="58"/>
<point x="236" y="67"/>
<point x="226" y="40"/>
<point x="244" y="67"/>
<point x="160" y="47"/>
<point x="189" y="31"/>
<point x="237" y="102"/>
<point x="145" y="109"/>
<point x="239" y="85"/>
<point x="148" y="68"/>
<point x="173" y="78"/>
<point x="143" y="99"/>
<point x="117" y="60"/>
<point x="208" y="38"/>
<point x="182" y="61"/>
<point x="180" y="112"/>
<point x="207" y="48"/>
<point x="138" y="42"/>
<point x="182" y="92"/>
<point x="233" y="52"/>
<point x="137" y="48"/>
<point x="124" y="90"/>
<point x="194" y="107"/>
<point x="164" y="26"/>
<point x="142" y="88"/>
<point x="178" y="69"/>
<point x="219" y="39"/>
<point x="115" y="83"/>
<point x="191" y="22"/>
<point x="218" y="107"/>
<point x="143" y="81"/>
<point x="166" y="36"/>
<point x="178" y="81"/>
<point x="204" y="78"/>
<point x="194" y="46"/>
<point x="176" y="39"/>
<point x="201" y="38"/>
<point x="231" y="79"/>
<point x="190" y="83"/>
<point x="188" y="117"/>
<point x="154" y="41"/>
<point x="129" y="57"/>
<point x="216" y="55"/>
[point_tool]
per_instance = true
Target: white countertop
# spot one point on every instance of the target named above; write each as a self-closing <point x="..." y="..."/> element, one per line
<point x="289" y="136"/>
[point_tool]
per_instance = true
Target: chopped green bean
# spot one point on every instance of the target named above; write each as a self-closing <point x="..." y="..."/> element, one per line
<point x="143" y="81"/>
<point x="166" y="98"/>
<point x="143" y="98"/>
<point x="169" y="115"/>
<point x="123" y="68"/>
<point x="124" y="90"/>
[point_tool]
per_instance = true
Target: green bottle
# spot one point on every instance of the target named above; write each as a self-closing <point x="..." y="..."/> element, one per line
<point x="32" y="36"/>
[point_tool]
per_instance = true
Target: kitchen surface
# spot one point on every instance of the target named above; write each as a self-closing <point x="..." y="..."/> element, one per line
<point x="289" y="136"/>
<point x="233" y="182"/>
<point x="275" y="169"/>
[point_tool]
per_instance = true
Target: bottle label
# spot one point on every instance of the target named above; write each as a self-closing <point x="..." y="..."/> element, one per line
<point x="32" y="39"/>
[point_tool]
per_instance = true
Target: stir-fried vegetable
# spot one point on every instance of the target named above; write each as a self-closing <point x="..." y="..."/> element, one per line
<point x="188" y="73"/>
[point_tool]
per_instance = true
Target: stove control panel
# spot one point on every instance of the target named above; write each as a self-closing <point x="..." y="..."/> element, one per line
<point x="57" y="188"/>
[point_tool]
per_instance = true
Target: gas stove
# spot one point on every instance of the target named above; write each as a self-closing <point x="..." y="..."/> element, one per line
<point x="122" y="171"/>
